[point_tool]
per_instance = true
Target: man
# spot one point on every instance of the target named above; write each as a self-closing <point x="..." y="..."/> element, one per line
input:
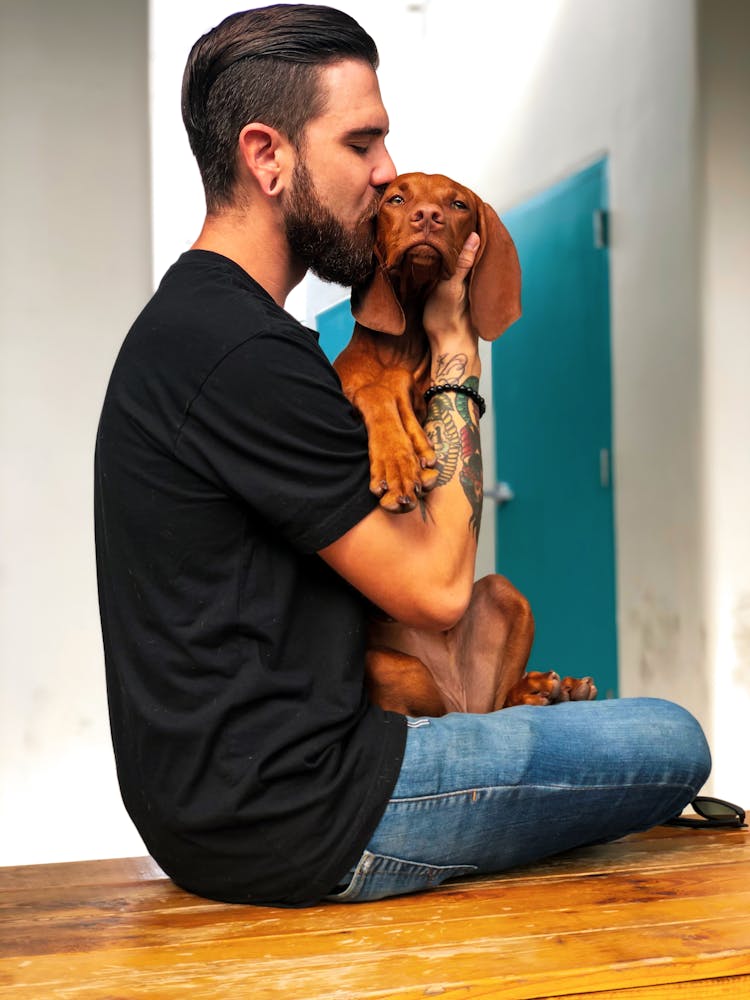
<point x="238" y="542"/>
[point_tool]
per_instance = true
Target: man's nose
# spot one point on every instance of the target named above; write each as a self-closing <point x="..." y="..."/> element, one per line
<point x="384" y="171"/>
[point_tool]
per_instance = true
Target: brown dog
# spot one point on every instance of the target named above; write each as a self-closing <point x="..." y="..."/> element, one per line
<point x="423" y="223"/>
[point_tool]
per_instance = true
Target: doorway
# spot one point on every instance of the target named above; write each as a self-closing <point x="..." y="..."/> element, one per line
<point x="553" y="431"/>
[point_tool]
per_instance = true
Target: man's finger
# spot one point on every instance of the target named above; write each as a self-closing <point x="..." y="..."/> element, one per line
<point x="468" y="253"/>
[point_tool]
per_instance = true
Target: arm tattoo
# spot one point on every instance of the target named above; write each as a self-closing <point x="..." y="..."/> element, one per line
<point x="457" y="449"/>
<point x="471" y="451"/>
<point x="450" y="367"/>
<point x="444" y="437"/>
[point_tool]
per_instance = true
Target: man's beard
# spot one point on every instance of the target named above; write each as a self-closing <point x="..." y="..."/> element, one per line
<point x="320" y="240"/>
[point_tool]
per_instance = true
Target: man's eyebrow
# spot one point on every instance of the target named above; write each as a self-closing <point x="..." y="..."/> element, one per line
<point x="366" y="130"/>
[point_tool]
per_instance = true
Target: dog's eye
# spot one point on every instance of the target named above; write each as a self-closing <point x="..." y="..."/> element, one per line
<point x="460" y="205"/>
<point x="396" y="199"/>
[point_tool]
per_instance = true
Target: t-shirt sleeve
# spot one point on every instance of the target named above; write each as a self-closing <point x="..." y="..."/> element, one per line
<point x="272" y="427"/>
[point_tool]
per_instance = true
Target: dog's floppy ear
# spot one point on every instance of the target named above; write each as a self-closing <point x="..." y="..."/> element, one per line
<point x="374" y="303"/>
<point x="495" y="280"/>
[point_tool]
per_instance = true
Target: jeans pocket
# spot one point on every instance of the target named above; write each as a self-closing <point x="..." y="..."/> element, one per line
<point x="377" y="876"/>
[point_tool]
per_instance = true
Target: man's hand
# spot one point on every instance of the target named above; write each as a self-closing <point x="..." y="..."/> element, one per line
<point x="446" y="316"/>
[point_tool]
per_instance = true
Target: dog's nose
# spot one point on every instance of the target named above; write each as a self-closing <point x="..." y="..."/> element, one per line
<point x="427" y="215"/>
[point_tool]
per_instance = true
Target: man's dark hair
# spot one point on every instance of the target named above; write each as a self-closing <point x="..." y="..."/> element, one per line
<point x="261" y="65"/>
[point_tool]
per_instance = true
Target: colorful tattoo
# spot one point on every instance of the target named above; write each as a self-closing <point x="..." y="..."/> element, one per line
<point x="471" y="452"/>
<point x="441" y="429"/>
<point x="457" y="448"/>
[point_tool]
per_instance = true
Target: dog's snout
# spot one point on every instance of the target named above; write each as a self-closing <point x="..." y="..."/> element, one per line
<point x="427" y="214"/>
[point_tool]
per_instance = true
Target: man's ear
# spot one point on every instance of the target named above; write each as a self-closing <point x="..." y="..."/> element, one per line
<point x="266" y="155"/>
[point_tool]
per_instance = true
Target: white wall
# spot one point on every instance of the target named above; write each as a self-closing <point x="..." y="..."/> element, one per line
<point x="74" y="270"/>
<point x="508" y="98"/>
<point x="725" y="161"/>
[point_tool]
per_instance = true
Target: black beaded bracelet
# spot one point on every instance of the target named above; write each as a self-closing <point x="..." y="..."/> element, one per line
<point x="463" y="390"/>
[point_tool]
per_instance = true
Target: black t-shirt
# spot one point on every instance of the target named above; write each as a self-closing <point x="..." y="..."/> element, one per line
<point x="247" y="753"/>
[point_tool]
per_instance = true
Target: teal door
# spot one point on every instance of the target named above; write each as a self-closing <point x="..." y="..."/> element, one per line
<point x="553" y="431"/>
<point x="335" y="326"/>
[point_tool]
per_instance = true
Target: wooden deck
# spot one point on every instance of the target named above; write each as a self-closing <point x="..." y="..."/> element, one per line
<point x="660" y="915"/>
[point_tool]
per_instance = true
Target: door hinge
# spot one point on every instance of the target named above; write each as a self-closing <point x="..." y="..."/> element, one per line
<point x="601" y="228"/>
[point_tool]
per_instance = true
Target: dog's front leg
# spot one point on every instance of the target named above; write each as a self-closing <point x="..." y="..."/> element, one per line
<point x="401" y="456"/>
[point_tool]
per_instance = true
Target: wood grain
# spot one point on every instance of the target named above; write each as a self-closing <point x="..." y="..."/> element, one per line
<point x="659" y="915"/>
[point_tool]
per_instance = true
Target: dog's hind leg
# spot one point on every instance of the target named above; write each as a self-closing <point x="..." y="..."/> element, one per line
<point x="399" y="682"/>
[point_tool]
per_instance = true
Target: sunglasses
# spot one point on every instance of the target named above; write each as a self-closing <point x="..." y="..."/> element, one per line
<point x="711" y="813"/>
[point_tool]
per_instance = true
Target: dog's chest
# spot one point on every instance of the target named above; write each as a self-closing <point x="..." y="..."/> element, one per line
<point x="410" y="351"/>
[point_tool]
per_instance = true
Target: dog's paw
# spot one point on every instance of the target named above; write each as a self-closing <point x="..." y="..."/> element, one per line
<point x="535" y="688"/>
<point x="428" y="477"/>
<point x="577" y="689"/>
<point x="399" y="499"/>
<point x="400" y="481"/>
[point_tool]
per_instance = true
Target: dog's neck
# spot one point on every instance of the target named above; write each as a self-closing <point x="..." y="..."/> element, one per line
<point x="413" y="289"/>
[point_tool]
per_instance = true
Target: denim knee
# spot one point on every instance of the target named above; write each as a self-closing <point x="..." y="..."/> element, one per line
<point x="686" y="742"/>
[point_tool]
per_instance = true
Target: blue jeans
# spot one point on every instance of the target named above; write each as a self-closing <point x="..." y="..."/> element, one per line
<point x="483" y="793"/>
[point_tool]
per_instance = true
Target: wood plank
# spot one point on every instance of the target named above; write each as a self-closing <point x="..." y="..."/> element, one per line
<point x="405" y="973"/>
<point x="639" y="945"/>
<point x="102" y="872"/>
<point x="704" y="989"/>
<point x="666" y="911"/>
<point x="140" y="916"/>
